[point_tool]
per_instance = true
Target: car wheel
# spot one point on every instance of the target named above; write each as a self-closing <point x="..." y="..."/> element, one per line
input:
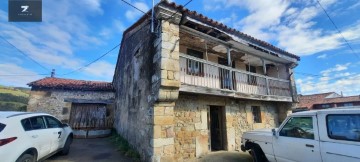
<point x="26" y="158"/>
<point x="66" y="147"/>
<point x="257" y="155"/>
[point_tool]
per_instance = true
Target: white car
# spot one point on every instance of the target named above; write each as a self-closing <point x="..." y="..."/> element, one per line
<point x="31" y="137"/>
<point x="330" y="135"/>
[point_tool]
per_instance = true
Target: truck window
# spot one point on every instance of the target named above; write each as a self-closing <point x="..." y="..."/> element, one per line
<point x="298" y="127"/>
<point x="343" y="126"/>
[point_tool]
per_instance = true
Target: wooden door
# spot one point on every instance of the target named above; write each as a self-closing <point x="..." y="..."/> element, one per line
<point x="217" y="126"/>
<point x="88" y="116"/>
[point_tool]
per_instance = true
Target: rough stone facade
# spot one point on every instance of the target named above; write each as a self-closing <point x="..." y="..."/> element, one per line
<point x="53" y="101"/>
<point x="191" y="122"/>
<point x="132" y="82"/>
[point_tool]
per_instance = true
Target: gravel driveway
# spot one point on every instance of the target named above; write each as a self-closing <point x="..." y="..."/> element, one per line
<point x="87" y="150"/>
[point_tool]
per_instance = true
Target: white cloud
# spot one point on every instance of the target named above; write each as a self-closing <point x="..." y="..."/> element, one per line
<point x="337" y="68"/>
<point x="10" y="69"/>
<point x="133" y="13"/>
<point x="94" y="5"/>
<point x="335" y="79"/>
<point x="288" y="23"/>
<point x="101" y="69"/>
<point x="354" y="6"/>
<point x="323" y="56"/>
<point x="119" y="26"/>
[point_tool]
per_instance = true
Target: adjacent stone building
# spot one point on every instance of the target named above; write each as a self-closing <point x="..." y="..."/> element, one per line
<point x="85" y="105"/>
<point x="195" y="85"/>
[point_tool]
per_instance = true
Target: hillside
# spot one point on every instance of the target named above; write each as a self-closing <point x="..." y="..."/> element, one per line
<point x="13" y="98"/>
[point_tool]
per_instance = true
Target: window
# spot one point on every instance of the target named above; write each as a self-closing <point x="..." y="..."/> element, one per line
<point x="33" y="123"/>
<point x="348" y="104"/>
<point x="343" y="127"/>
<point x="251" y="78"/>
<point x="298" y="127"/>
<point x="256" y="114"/>
<point x="2" y="126"/>
<point x="195" y="67"/>
<point x="325" y="106"/>
<point x="52" y="122"/>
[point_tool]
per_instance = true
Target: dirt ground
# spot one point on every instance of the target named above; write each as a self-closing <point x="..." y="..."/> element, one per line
<point x="101" y="149"/>
<point x="88" y="150"/>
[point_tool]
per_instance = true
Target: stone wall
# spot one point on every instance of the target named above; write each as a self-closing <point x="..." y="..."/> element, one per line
<point x="132" y="82"/>
<point x="52" y="101"/>
<point x="191" y="122"/>
<point x="147" y="85"/>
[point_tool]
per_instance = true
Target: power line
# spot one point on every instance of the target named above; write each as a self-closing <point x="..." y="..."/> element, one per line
<point x="21" y="74"/>
<point x="178" y="10"/>
<point x="25" y="54"/>
<point x="338" y="30"/>
<point x="134" y="7"/>
<point x="97" y="59"/>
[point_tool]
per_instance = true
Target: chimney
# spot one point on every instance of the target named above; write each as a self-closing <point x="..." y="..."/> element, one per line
<point x="342" y="94"/>
<point x="53" y="73"/>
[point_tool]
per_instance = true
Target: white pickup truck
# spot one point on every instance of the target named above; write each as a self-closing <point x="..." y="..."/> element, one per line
<point x="331" y="135"/>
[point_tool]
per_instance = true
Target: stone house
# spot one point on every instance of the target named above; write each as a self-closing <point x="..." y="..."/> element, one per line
<point x="87" y="106"/>
<point x="195" y="85"/>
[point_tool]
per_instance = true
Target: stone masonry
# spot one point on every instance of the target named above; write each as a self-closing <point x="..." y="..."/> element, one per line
<point x="191" y="122"/>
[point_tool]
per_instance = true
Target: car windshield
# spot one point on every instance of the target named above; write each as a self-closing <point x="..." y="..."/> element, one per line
<point x="2" y="126"/>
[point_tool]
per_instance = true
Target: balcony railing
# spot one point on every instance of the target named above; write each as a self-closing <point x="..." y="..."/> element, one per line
<point x="199" y="72"/>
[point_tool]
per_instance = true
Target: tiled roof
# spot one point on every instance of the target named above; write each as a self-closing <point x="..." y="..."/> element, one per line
<point x="342" y="99"/>
<point x="241" y="35"/>
<point x="71" y="84"/>
<point x="309" y="101"/>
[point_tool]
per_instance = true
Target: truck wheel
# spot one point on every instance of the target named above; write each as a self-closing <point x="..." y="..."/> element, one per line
<point x="257" y="155"/>
<point x="25" y="158"/>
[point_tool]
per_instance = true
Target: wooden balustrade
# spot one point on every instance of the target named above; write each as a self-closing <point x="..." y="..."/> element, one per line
<point x="199" y="72"/>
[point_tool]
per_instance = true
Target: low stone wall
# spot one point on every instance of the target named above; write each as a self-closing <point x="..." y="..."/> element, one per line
<point x="191" y="122"/>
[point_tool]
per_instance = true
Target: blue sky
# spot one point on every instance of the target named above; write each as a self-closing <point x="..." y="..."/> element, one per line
<point x="73" y="33"/>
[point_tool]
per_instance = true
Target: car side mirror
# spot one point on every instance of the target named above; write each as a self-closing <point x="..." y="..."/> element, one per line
<point x="273" y="132"/>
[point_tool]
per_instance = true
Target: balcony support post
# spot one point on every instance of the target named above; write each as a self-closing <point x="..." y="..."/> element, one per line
<point x="229" y="64"/>
<point x="266" y="79"/>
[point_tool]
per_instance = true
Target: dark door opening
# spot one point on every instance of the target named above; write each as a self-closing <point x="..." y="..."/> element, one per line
<point x="217" y="128"/>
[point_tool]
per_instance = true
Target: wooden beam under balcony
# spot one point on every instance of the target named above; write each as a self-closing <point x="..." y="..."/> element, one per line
<point x="229" y="93"/>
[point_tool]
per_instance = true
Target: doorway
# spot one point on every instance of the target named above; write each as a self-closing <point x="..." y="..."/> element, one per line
<point x="217" y="128"/>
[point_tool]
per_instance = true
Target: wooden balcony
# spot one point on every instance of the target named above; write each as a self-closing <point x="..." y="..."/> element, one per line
<point x="205" y="77"/>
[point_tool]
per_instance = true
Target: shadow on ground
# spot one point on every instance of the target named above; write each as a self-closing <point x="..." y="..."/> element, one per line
<point x="88" y="150"/>
<point x="226" y="156"/>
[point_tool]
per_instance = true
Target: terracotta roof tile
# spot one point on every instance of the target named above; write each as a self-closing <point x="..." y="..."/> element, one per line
<point x="71" y="84"/>
<point x="309" y="100"/>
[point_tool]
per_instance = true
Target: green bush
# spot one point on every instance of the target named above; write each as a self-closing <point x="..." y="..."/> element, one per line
<point x="123" y="146"/>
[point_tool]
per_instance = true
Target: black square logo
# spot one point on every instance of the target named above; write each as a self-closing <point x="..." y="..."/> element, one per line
<point x="25" y="10"/>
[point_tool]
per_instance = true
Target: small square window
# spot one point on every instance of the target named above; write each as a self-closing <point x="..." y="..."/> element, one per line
<point x="256" y="114"/>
